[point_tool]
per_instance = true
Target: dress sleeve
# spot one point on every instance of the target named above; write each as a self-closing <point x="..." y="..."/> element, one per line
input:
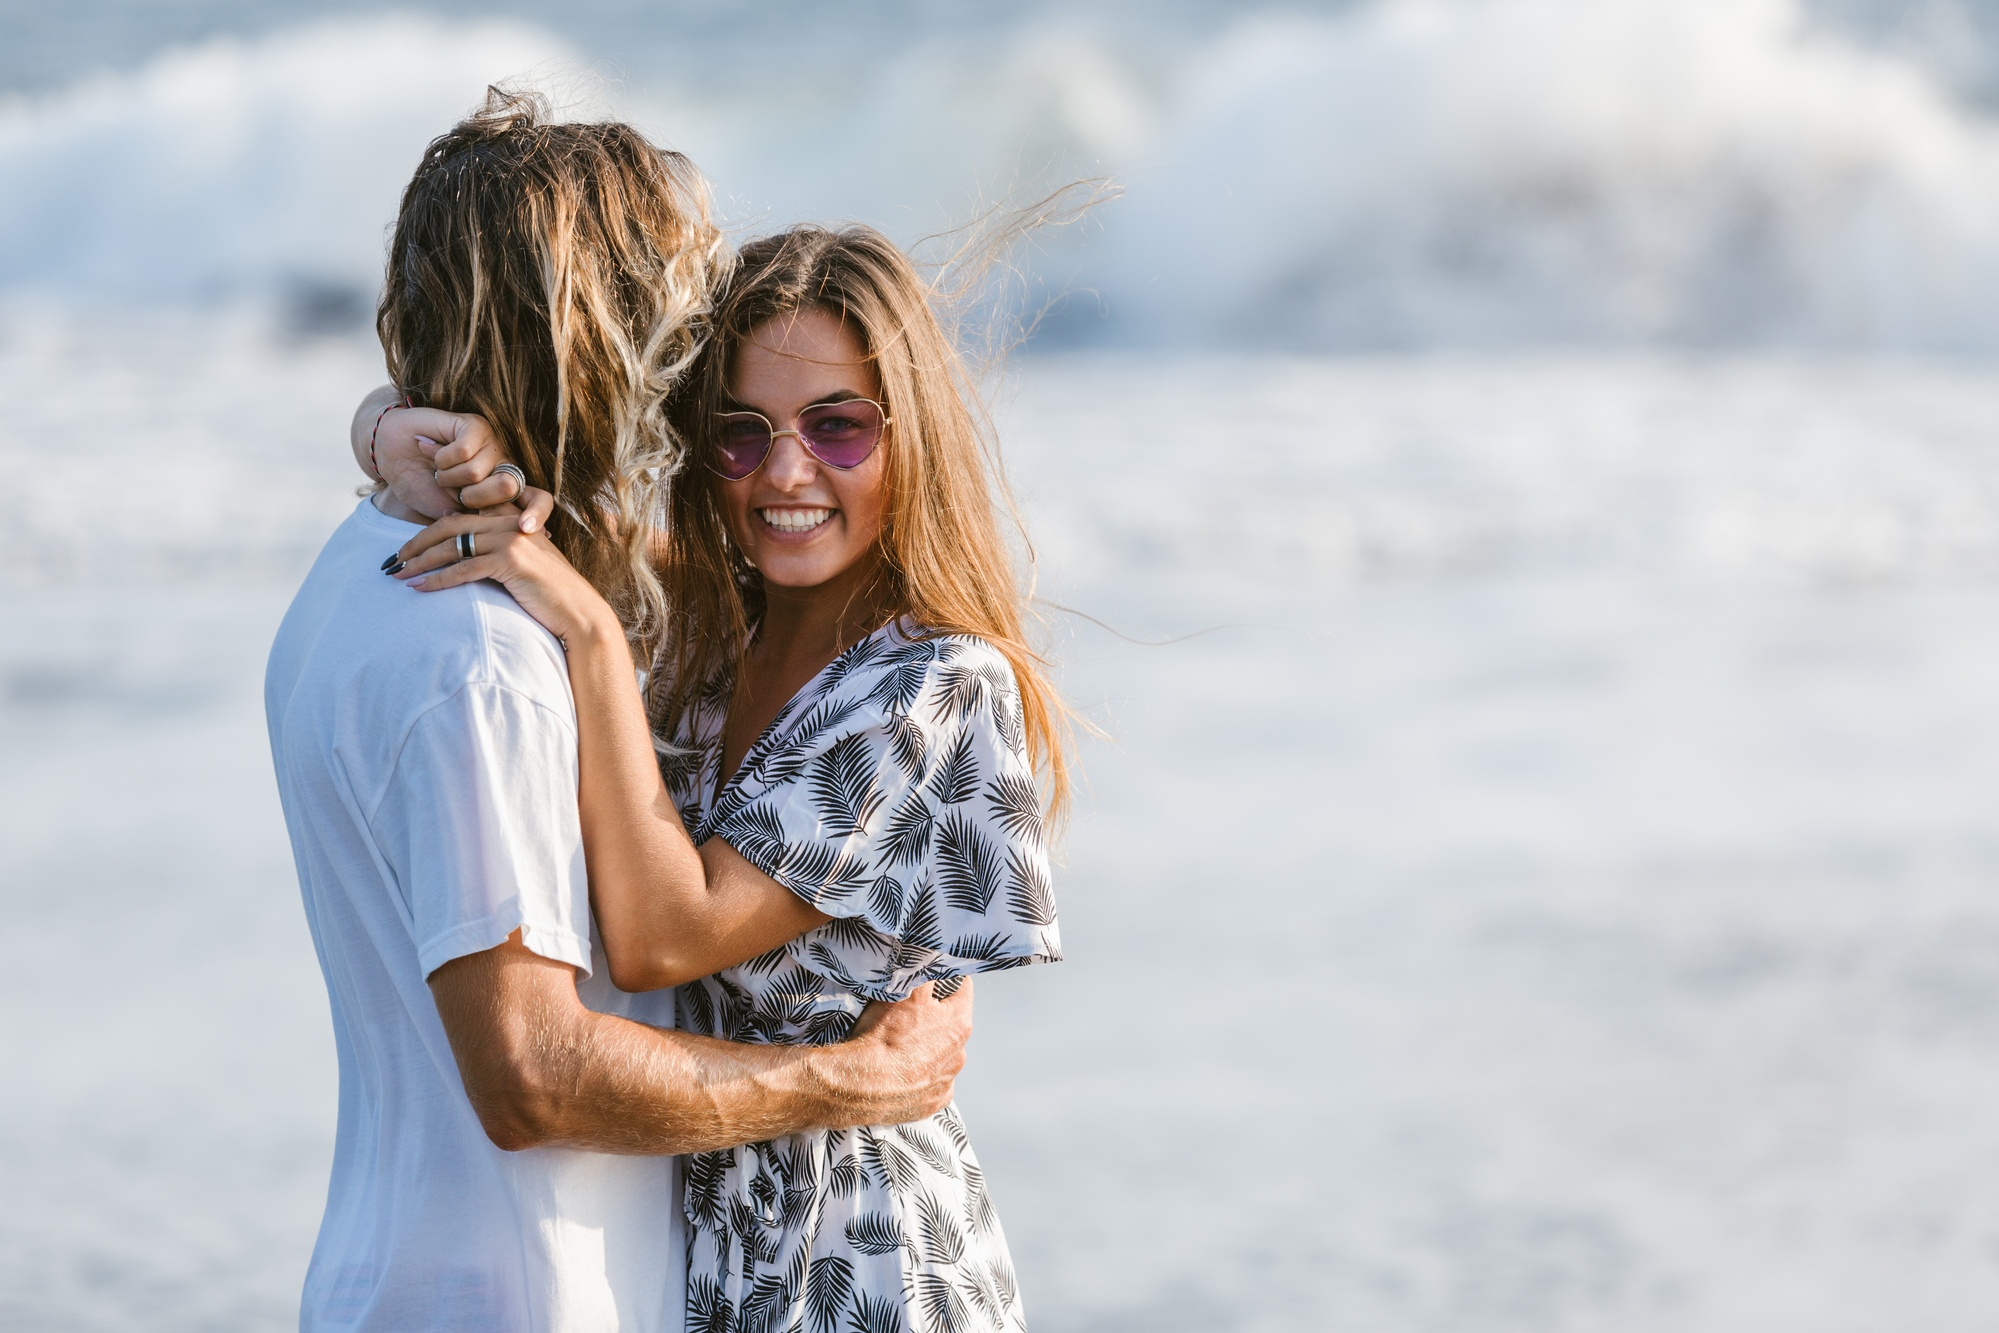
<point x="906" y="809"/>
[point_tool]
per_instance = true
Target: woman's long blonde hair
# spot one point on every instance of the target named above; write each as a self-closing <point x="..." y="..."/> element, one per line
<point x="944" y="562"/>
<point x="556" y="279"/>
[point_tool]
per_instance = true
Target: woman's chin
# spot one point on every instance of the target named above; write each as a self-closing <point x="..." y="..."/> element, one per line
<point x="793" y="569"/>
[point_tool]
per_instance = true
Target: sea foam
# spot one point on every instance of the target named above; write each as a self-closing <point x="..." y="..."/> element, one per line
<point x="1404" y="173"/>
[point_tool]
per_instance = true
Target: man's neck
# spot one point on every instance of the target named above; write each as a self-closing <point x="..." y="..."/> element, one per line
<point x="386" y="501"/>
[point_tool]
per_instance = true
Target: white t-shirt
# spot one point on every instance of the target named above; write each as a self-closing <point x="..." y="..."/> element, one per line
<point x="426" y="753"/>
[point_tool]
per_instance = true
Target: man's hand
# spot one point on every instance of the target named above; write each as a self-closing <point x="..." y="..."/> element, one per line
<point x="905" y="1059"/>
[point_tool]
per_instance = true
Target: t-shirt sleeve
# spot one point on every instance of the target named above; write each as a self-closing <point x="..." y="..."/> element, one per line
<point x="479" y="823"/>
<point x="909" y="812"/>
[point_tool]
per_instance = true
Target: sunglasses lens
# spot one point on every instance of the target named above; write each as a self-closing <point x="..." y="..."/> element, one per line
<point x="740" y="444"/>
<point x="842" y="435"/>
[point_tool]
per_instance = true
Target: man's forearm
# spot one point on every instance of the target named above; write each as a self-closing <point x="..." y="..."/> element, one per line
<point x="639" y="1090"/>
<point x="542" y="1070"/>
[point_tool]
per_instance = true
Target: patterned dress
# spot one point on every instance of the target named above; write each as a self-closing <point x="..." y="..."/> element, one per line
<point x="894" y="794"/>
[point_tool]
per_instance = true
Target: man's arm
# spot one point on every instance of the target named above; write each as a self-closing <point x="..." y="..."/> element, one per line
<point x="542" y="1070"/>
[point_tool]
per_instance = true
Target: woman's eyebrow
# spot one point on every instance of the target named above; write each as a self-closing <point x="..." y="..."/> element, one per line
<point x="832" y="396"/>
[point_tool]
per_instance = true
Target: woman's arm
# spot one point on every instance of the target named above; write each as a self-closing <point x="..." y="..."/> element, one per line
<point x="679" y="912"/>
<point x="435" y="462"/>
<point x="669" y="912"/>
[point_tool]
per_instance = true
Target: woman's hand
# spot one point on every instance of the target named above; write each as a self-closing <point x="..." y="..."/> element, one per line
<point x="441" y="463"/>
<point x="526" y="564"/>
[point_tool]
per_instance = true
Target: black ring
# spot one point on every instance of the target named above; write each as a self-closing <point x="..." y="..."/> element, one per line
<point x="466" y="548"/>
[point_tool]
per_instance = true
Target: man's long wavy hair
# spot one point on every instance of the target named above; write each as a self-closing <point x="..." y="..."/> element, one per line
<point x="945" y="564"/>
<point x="556" y="279"/>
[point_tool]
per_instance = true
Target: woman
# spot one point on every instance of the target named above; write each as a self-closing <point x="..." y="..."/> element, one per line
<point x="853" y="727"/>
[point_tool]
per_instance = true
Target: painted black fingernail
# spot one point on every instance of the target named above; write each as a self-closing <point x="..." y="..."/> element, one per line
<point x="390" y="561"/>
<point x="396" y="568"/>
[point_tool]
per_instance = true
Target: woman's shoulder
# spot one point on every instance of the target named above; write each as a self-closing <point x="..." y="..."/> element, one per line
<point x="906" y="668"/>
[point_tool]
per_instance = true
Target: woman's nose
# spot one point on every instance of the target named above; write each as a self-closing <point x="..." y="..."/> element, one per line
<point x="789" y="465"/>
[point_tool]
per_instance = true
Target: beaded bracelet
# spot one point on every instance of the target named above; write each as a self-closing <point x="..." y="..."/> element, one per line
<point x="374" y="468"/>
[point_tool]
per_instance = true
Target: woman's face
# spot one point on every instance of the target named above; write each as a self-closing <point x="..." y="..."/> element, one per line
<point x="800" y="522"/>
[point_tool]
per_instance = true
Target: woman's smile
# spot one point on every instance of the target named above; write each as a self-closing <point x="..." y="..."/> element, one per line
<point x="796" y="522"/>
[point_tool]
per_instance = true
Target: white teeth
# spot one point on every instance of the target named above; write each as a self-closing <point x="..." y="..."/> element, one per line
<point x="795" y="520"/>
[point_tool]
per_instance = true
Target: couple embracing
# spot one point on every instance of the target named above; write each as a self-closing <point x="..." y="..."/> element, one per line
<point x="649" y="986"/>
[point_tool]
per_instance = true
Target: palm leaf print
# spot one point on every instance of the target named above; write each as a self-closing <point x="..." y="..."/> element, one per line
<point x="720" y="687"/>
<point x="830" y="964"/>
<point x="814" y="723"/>
<point x="843" y="787"/>
<point x="828" y="1288"/>
<point x="908" y="744"/>
<point x="946" y="987"/>
<point x="885" y="899"/>
<point x="960" y="691"/>
<point x="979" y="1287"/>
<point x="845" y="1179"/>
<point x="827" y="1027"/>
<point x="704" y="1185"/>
<point x="757" y="832"/>
<point x="700" y="1010"/>
<point x="900" y="685"/>
<point x="782" y="767"/>
<point x="954" y="1125"/>
<point x="1029" y="896"/>
<point x="1016" y="805"/>
<point x="763" y="1188"/>
<point x="875" y="1234"/>
<point x="957" y="776"/>
<point x="943" y="1242"/>
<point x="979" y="1210"/>
<point x="850" y="932"/>
<point x="1001" y="1273"/>
<point x="759" y="1246"/>
<point x="708" y="1310"/>
<point x="872" y="1316"/>
<point x="801" y="1191"/>
<point x="906" y="838"/>
<point x="944" y="1309"/>
<point x="979" y="948"/>
<point x="765" y="963"/>
<point x="770" y="1301"/>
<point x="1007" y="718"/>
<point x="680" y="767"/>
<point x="866" y="783"/>
<point x="828" y="870"/>
<point x="842" y="666"/>
<point x="967" y="866"/>
<point x="943" y="1162"/>
<point x="920" y="931"/>
<point x="892" y="1166"/>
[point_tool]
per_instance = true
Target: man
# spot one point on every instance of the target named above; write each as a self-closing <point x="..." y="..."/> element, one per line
<point x="507" y="1118"/>
<point x="426" y="754"/>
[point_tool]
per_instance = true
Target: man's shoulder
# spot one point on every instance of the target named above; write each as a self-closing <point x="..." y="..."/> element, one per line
<point x="355" y="636"/>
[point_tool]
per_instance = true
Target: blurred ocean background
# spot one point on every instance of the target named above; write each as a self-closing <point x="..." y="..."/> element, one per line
<point x="1552" y="890"/>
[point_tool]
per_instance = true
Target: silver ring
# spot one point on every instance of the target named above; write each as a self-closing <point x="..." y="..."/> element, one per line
<point x="520" y="479"/>
<point x="466" y="550"/>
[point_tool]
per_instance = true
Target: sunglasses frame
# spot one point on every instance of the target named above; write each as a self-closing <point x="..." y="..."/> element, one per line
<point x="803" y="443"/>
